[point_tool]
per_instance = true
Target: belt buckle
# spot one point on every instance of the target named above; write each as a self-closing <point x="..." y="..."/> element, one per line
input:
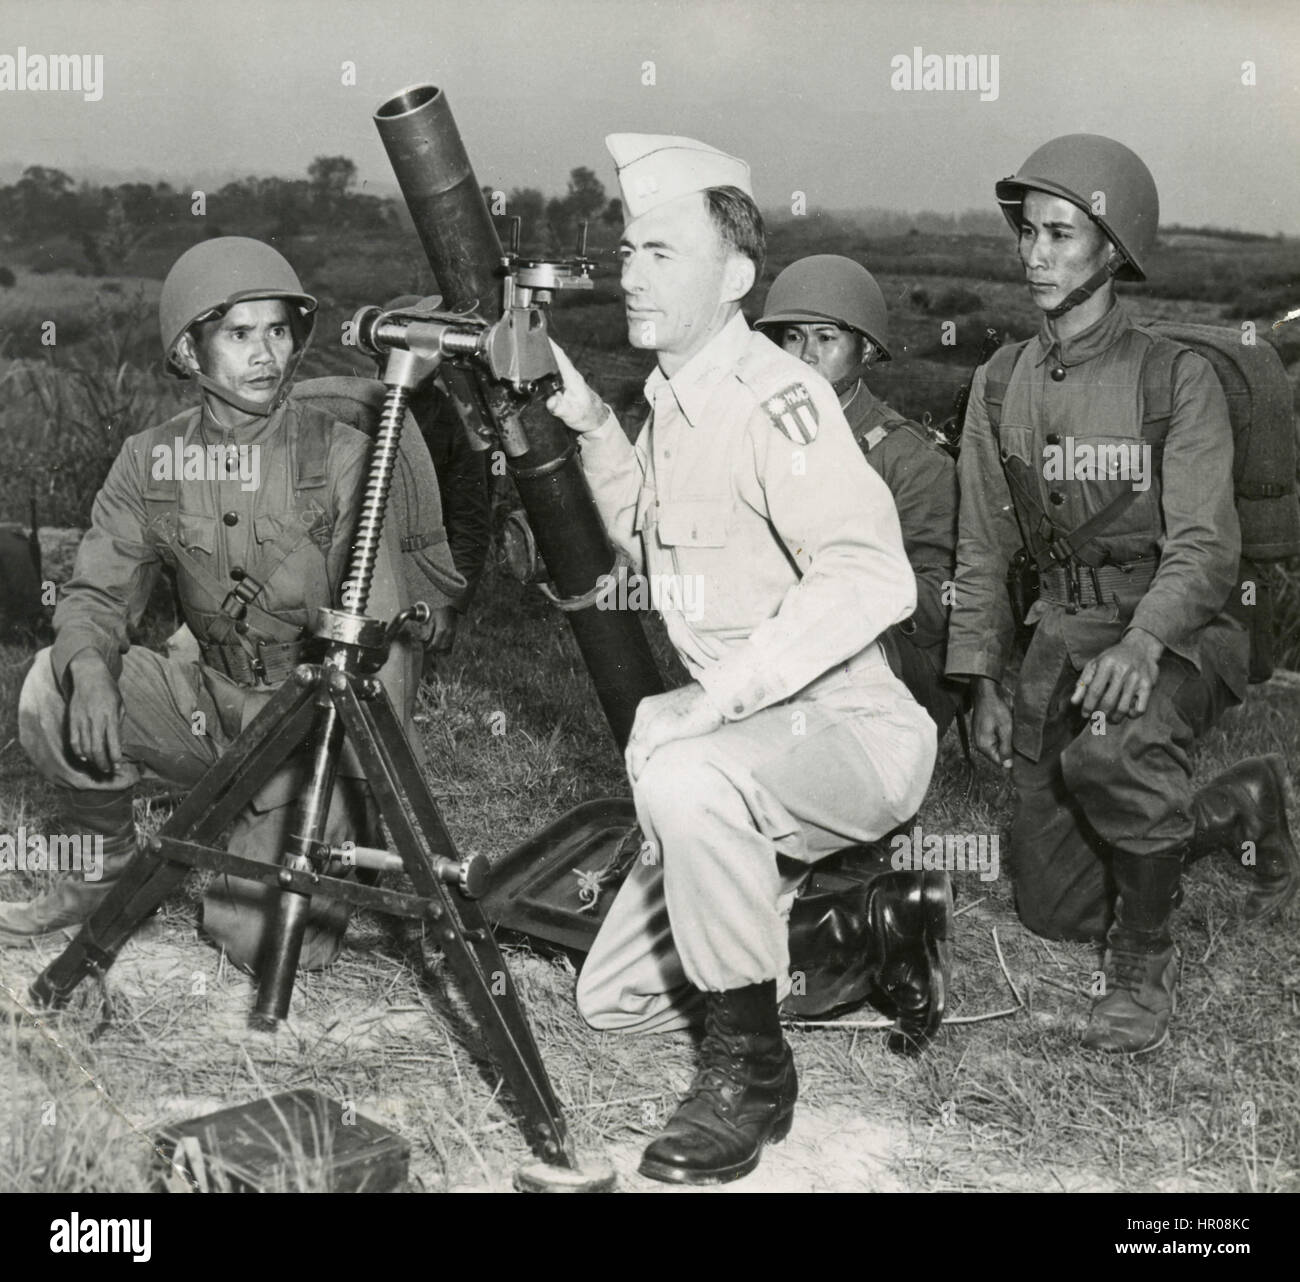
<point x="258" y="668"/>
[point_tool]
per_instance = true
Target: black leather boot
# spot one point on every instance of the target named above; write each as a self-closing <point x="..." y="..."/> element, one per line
<point x="92" y="814"/>
<point x="1141" y="965"/>
<point x="915" y="924"/>
<point x="742" y="1097"/>
<point x="1248" y="804"/>
<point x="883" y="940"/>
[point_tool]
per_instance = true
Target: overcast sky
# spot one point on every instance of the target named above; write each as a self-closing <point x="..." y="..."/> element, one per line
<point x="799" y="88"/>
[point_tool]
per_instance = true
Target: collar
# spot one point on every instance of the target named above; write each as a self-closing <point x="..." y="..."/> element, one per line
<point x="259" y="429"/>
<point x="865" y="411"/>
<point x="695" y="382"/>
<point x="1094" y="340"/>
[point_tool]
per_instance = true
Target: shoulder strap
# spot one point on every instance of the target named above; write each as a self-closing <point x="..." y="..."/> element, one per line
<point x="310" y="444"/>
<point x="997" y="378"/>
<point x="869" y="440"/>
<point x="1158" y="382"/>
<point x="161" y="494"/>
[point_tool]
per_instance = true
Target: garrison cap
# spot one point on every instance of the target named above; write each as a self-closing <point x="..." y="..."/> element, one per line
<point x="656" y="168"/>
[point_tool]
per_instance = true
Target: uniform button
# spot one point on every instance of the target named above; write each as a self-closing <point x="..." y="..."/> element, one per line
<point x="1058" y="374"/>
<point x="242" y="628"/>
<point x="1006" y="454"/>
<point x="231" y="518"/>
<point x="1057" y="497"/>
<point x="1053" y="438"/>
<point x="237" y="572"/>
<point x="738" y="708"/>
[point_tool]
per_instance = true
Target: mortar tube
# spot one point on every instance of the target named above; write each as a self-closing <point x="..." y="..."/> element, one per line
<point x="464" y="252"/>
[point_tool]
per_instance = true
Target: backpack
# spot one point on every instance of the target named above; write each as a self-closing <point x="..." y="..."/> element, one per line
<point x="1264" y="469"/>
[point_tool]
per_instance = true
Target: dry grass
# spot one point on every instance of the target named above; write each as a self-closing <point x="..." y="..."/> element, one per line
<point x="1011" y="1103"/>
<point x="1006" y="1104"/>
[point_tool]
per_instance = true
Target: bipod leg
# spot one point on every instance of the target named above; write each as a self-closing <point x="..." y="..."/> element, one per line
<point x="150" y="878"/>
<point x="461" y="929"/>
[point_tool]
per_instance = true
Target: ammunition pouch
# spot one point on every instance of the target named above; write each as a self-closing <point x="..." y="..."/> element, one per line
<point x="1076" y="585"/>
<point x="256" y="663"/>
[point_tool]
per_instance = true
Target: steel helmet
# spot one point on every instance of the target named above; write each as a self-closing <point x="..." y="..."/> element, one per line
<point x="1082" y="167"/>
<point x="829" y="287"/>
<point x="210" y="278"/>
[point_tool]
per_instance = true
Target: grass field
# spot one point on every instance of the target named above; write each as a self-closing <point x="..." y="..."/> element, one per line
<point x="1009" y="1102"/>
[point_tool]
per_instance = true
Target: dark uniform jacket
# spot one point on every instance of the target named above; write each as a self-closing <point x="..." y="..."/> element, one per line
<point x="1170" y="558"/>
<point x="221" y="527"/>
<point x="923" y="480"/>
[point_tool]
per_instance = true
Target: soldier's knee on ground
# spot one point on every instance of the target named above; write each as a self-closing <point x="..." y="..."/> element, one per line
<point x="1097" y="762"/>
<point x="1067" y="921"/>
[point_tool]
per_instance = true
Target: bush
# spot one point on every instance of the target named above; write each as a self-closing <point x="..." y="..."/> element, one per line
<point x="956" y="302"/>
<point x="1253" y="302"/>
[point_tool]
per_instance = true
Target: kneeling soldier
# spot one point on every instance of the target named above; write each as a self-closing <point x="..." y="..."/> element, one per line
<point x="830" y="313"/>
<point x="794" y="738"/>
<point x="1133" y="655"/>
<point x="249" y="501"/>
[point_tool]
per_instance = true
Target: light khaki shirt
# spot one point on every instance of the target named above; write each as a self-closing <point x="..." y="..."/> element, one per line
<point x="781" y="545"/>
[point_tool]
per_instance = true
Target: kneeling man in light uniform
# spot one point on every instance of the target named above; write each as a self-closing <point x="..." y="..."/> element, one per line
<point x="794" y="738"/>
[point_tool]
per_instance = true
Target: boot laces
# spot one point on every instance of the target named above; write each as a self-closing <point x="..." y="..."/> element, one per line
<point x="1130" y="967"/>
<point x="720" y="1069"/>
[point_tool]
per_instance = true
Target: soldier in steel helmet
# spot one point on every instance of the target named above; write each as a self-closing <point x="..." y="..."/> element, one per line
<point x="793" y="738"/>
<point x="829" y="312"/>
<point x="248" y="500"/>
<point x="1133" y="655"/>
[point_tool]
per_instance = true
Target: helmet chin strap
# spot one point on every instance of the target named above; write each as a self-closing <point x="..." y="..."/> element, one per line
<point x="259" y="409"/>
<point x="855" y="375"/>
<point x="1088" y="288"/>
<point x="859" y="372"/>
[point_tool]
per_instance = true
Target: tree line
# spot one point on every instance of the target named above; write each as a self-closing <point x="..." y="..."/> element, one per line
<point x="108" y="222"/>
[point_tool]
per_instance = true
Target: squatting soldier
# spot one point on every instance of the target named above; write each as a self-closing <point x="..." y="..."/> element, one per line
<point x="1132" y="655"/>
<point x="249" y="500"/>
<point x="794" y="738"/>
<point x="830" y="313"/>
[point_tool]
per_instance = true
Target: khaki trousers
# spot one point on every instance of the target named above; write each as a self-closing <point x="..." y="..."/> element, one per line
<point x="179" y="718"/>
<point x="733" y="820"/>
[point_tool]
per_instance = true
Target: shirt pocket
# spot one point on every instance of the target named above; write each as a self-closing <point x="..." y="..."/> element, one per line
<point x="1016" y="444"/>
<point x="197" y="535"/>
<point x="1120" y="465"/>
<point x="709" y="580"/>
<point x="196" y="549"/>
<point x="291" y="562"/>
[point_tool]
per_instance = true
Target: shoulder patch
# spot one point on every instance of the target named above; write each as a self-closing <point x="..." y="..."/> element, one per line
<point x="793" y="412"/>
